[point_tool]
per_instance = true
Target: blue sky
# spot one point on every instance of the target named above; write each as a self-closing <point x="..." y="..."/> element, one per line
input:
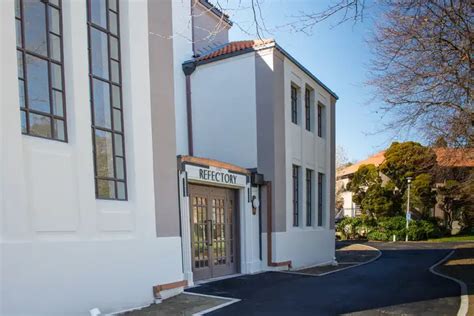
<point x="338" y="56"/>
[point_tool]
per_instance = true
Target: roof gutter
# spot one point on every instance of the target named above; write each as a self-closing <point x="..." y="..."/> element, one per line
<point x="191" y="65"/>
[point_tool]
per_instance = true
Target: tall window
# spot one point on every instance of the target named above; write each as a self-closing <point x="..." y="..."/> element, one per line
<point x="309" y="197"/>
<point x="320" y="119"/>
<point x="40" y="68"/>
<point x="307" y="107"/>
<point x="320" y="198"/>
<point x="106" y="100"/>
<point x="296" y="173"/>
<point x="294" y="104"/>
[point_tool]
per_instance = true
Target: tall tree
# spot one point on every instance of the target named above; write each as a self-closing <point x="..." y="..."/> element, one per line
<point x="422" y="68"/>
<point x="365" y="177"/>
<point x="422" y="195"/>
<point x="408" y="159"/>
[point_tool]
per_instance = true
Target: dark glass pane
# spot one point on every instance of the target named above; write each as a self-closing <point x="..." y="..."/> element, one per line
<point x="21" y="92"/>
<point x="18" y="33"/>
<point x="54" y="21"/>
<point x="106" y="189"/>
<point x="38" y="88"/>
<point x="40" y="125"/>
<point x="120" y="167"/>
<point x="98" y="12"/>
<point x="114" y="69"/>
<point x="35" y="26"/>
<point x="59" y="130"/>
<point x="56" y="76"/>
<point x="17" y="9"/>
<point x="116" y="96"/>
<point x="55" y="2"/>
<point x="113" y="5"/>
<point x="19" y="61"/>
<point x="117" y="120"/>
<point x="23" y="121"/>
<point x="58" y="103"/>
<point x="120" y="190"/>
<point x="101" y="104"/>
<point x="99" y="53"/>
<point x="114" y="48"/>
<point x="55" y="47"/>
<point x="113" y="23"/>
<point x="118" y="145"/>
<point x="104" y="154"/>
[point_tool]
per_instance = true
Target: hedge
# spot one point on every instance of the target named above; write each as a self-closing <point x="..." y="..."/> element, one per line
<point x="384" y="229"/>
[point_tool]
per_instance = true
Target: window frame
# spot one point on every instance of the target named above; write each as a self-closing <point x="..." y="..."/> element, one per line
<point x="294" y="104"/>
<point x="307" y="106"/>
<point x="94" y="77"/>
<point x="320" y="199"/>
<point x="50" y="61"/>
<point x="309" y="197"/>
<point x="320" y="119"/>
<point x="296" y="195"/>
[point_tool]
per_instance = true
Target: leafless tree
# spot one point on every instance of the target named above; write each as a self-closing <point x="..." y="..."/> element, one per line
<point x="341" y="158"/>
<point x="422" y="70"/>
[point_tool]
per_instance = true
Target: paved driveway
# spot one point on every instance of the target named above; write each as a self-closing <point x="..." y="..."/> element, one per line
<point x="399" y="282"/>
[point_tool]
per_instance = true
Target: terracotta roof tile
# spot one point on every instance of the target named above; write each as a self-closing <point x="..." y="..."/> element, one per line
<point x="445" y="157"/>
<point x="455" y="157"/>
<point x="233" y="47"/>
<point x="376" y="160"/>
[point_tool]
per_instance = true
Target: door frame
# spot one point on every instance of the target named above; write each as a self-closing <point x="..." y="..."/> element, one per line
<point x="210" y="193"/>
<point x="188" y="173"/>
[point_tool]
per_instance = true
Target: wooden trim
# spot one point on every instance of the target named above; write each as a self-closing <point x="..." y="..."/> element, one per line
<point x="270" y="262"/>
<point x="168" y="286"/>
<point x="213" y="163"/>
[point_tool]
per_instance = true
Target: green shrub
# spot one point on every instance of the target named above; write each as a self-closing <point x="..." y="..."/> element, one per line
<point x="417" y="229"/>
<point x="422" y="230"/>
<point x="389" y="226"/>
<point x="355" y="227"/>
<point x="378" y="236"/>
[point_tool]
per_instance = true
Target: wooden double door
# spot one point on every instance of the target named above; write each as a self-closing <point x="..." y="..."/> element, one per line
<point x="214" y="231"/>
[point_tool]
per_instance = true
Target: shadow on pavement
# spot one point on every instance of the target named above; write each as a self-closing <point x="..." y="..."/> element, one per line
<point x="399" y="282"/>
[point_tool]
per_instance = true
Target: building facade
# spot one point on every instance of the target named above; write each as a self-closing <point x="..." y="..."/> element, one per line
<point x="89" y="208"/>
<point x="124" y="178"/>
<point x="251" y="104"/>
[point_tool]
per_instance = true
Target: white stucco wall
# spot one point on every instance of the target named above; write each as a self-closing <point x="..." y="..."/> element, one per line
<point x="182" y="51"/>
<point x="307" y="150"/>
<point x="224" y="114"/>
<point x="62" y="251"/>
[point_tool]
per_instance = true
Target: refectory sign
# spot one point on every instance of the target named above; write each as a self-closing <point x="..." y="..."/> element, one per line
<point x="215" y="175"/>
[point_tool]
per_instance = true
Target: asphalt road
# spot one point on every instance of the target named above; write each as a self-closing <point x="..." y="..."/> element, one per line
<point x="399" y="282"/>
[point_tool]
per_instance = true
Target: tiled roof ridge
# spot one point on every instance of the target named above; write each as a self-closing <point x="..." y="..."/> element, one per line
<point x="234" y="46"/>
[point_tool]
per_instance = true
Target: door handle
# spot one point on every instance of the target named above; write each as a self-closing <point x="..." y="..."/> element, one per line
<point x="209" y="229"/>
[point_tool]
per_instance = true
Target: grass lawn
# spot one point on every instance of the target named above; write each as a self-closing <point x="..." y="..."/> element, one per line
<point x="462" y="238"/>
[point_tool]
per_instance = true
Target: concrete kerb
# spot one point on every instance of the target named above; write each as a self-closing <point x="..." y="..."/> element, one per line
<point x="464" y="305"/>
<point x="230" y="301"/>
<point x="379" y="253"/>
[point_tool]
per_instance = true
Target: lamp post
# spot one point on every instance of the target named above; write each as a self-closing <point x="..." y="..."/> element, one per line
<point x="408" y="207"/>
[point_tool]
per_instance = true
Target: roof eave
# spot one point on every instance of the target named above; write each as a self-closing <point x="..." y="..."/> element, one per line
<point x="270" y="45"/>
<point x="305" y="70"/>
